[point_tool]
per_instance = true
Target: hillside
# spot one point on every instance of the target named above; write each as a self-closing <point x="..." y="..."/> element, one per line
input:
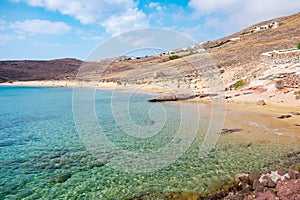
<point x="237" y="57"/>
<point x="242" y="57"/>
<point x="29" y="70"/>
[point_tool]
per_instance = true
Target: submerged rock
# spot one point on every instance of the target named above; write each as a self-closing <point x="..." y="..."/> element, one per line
<point x="60" y="178"/>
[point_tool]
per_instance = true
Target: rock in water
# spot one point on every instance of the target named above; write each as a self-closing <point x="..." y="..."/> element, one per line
<point x="60" y="178"/>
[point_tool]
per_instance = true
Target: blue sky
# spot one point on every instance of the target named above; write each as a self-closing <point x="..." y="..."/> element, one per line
<point x="49" y="29"/>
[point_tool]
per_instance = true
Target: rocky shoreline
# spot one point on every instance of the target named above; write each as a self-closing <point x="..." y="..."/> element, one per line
<point x="269" y="185"/>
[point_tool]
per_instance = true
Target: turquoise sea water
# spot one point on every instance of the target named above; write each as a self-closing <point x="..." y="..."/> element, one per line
<point x="43" y="157"/>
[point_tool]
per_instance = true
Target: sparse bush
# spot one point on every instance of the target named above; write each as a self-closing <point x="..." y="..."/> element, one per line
<point x="298" y="45"/>
<point x="238" y="84"/>
<point x="173" y="57"/>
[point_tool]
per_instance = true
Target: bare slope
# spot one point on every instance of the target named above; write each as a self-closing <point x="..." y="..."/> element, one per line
<point x="234" y="59"/>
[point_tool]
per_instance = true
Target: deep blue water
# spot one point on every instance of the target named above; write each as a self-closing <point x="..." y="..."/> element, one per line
<point x="44" y="157"/>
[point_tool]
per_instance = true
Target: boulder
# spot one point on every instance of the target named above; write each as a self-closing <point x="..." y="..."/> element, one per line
<point x="254" y="176"/>
<point x="261" y="103"/>
<point x="289" y="189"/>
<point x="294" y="174"/>
<point x="266" y="195"/>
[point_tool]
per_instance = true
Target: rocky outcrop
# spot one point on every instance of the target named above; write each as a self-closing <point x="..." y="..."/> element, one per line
<point x="269" y="185"/>
<point x="281" y="57"/>
<point x="180" y="97"/>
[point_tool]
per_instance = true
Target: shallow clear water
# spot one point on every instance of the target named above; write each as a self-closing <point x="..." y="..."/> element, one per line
<point x="42" y="155"/>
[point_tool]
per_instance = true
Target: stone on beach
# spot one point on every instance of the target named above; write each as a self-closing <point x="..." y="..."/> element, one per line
<point x="284" y="116"/>
<point x="261" y="103"/>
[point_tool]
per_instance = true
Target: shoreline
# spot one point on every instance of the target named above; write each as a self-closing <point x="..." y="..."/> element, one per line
<point x="242" y="114"/>
<point x="241" y="107"/>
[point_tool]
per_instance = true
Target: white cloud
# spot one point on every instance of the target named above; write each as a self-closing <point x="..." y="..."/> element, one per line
<point x="156" y="5"/>
<point x="104" y="12"/>
<point x="5" y="38"/>
<point x="132" y="19"/>
<point x="37" y="26"/>
<point x="242" y="13"/>
<point x="3" y="24"/>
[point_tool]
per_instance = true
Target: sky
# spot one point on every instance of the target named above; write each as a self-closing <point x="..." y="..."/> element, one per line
<point x="51" y="29"/>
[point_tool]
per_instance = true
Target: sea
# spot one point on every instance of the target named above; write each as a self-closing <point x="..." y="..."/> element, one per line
<point x="57" y="144"/>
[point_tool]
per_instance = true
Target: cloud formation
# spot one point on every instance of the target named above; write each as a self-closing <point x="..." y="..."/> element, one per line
<point x="132" y="19"/>
<point x="107" y="13"/>
<point x="37" y="26"/>
<point x="243" y="13"/>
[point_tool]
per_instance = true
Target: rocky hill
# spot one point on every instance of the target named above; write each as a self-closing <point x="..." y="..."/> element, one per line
<point x="237" y="57"/>
<point x="29" y="70"/>
<point x="242" y="57"/>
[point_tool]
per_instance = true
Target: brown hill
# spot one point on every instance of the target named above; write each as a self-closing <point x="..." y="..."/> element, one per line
<point x="236" y="56"/>
<point x="242" y="57"/>
<point x="29" y="70"/>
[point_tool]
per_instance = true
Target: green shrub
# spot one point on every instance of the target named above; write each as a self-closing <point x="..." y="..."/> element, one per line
<point x="299" y="45"/>
<point x="173" y="57"/>
<point x="238" y="84"/>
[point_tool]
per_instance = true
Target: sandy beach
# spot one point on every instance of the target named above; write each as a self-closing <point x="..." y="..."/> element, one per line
<point x="242" y="112"/>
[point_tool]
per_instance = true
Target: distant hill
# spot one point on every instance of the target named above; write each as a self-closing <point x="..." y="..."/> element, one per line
<point x="29" y="70"/>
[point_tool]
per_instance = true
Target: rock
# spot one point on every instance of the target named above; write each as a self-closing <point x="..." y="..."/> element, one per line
<point x="274" y="176"/>
<point x="294" y="113"/>
<point x="60" y="178"/>
<point x="246" y="190"/>
<point x="243" y="179"/>
<point x="289" y="189"/>
<point x="254" y="176"/>
<point x="207" y="95"/>
<point x="284" y="116"/>
<point x="270" y="183"/>
<point x="263" y="180"/>
<point x="269" y="195"/>
<point x="281" y="172"/>
<point x="228" y="131"/>
<point x="261" y="103"/>
<point x="257" y="186"/>
<point x="217" y="195"/>
<point x="294" y="174"/>
<point x="176" y="97"/>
